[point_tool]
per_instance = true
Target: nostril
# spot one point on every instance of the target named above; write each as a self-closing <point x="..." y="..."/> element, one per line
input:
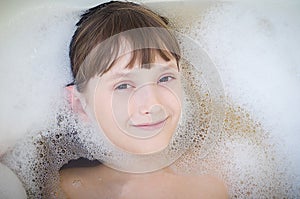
<point x="145" y="110"/>
<point x="153" y="109"/>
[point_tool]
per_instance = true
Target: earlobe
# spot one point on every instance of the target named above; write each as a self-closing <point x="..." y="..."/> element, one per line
<point x="75" y="100"/>
<point x="71" y="97"/>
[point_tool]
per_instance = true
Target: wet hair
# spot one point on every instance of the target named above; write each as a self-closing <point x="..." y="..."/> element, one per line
<point x="102" y="30"/>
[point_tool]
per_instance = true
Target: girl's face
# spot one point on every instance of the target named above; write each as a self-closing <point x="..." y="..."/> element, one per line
<point x="137" y="109"/>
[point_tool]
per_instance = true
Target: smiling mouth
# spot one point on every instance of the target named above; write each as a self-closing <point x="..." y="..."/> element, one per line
<point x="152" y="126"/>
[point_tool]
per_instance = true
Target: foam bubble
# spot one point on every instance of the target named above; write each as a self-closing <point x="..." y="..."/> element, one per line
<point x="33" y="70"/>
<point x="254" y="48"/>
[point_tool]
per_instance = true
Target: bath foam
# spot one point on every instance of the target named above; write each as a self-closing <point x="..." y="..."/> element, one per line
<point x="32" y="85"/>
<point x="245" y="157"/>
<point x="256" y="154"/>
<point x="34" y="68"/>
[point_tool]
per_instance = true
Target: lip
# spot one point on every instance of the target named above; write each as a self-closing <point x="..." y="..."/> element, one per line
<point x="151" y="126"/>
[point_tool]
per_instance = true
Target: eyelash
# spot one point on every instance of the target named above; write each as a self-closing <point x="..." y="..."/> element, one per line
<point x="168" y="76"/>
<point x="125" y="86"/>
<point x="119" y="87"/>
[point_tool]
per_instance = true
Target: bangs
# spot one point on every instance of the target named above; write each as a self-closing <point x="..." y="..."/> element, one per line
<point x="145" y="57"/>
<point x="144" y="44"/>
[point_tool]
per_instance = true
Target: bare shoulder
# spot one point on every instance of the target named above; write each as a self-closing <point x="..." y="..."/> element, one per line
<point x="211" y="186"/>
<point x="90" y="182"/>
<point x="70" y="180"/>
<point x="67" y="176"/>
<point x="77" y="182"/>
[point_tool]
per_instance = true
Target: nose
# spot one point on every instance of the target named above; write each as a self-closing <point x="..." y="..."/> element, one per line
<point x="145" y="100"/>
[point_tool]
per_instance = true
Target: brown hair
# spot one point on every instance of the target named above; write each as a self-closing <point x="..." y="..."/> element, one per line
<point x="96" y="43"/>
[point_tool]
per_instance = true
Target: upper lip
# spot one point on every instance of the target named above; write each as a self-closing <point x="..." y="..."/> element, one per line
<point x="150" y="124"/>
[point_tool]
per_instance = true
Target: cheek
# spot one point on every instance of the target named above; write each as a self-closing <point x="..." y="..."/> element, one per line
<point x="102" y="106"/>
<point x="171" y="97"/>
<point x="119" y="106"/>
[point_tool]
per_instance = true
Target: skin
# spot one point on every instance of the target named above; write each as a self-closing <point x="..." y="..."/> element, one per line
<point x="104" y="182"/>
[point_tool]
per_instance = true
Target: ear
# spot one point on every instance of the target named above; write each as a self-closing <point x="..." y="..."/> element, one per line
<point x="76" y="104"/>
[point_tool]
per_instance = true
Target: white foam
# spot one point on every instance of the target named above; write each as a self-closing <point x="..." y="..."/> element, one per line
<point x="256" y="49"/>
<point x="34" y="68"/>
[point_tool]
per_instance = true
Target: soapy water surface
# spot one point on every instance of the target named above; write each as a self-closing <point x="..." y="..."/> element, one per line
<point x="248" y="155"/>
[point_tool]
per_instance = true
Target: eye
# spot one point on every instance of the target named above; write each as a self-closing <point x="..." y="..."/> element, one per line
<point x="123" y="87"/>
<point x="165" y="79"/>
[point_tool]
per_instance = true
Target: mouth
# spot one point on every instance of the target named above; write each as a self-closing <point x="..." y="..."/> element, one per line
<point x="151" y="126"/>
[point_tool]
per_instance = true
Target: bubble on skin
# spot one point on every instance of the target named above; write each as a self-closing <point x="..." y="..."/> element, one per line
<point x="76" y="183"/>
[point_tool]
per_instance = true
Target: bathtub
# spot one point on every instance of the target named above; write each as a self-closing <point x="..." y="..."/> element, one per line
<point x="255" y="49"/>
